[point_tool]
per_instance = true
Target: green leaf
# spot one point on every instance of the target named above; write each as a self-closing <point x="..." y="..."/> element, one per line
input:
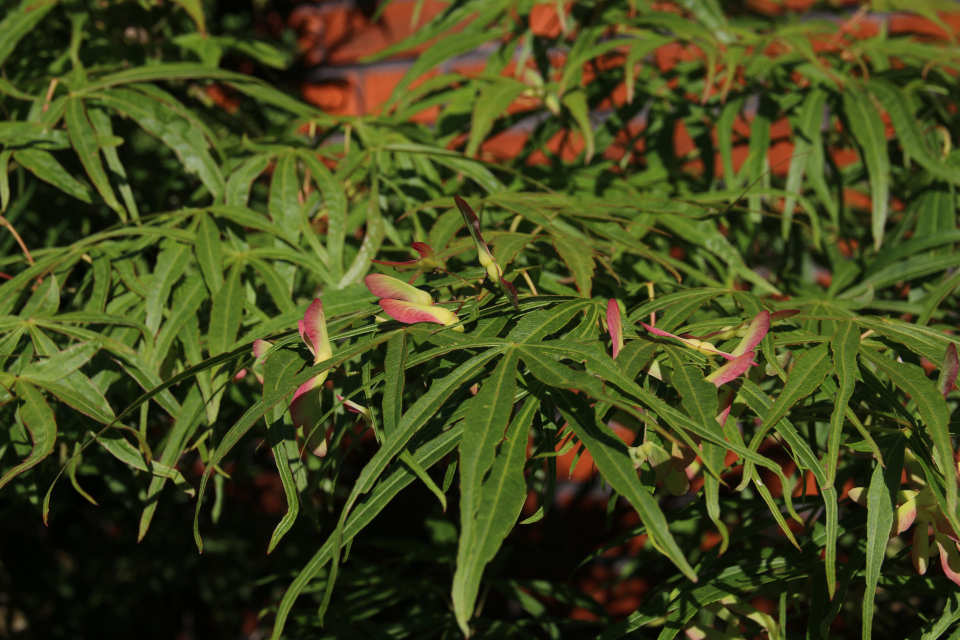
<point x="492" y="102"/>
<point x="275" y="284"/>
<point x="483" y="429"/>
<point x="278" y="369"/>
<point x="162" y="122"/>
<point x="173" y="447"/>
<point x="78" y="392"/>
<point x="902" y="115"/>
<point x="237" y="191"/>
<point x="84" y="141"/>
<point x="805" y="378"/>
<point x="225" y="314"/>
<point x="371" y="240"/>
<point x="209" y="255"/>
<point x="122" y="450"/>
<point x="38" y="419"/>
<point x="284" y="203"/>
<point x="450" y="46"/>
<point x="186" y="302"/>
<point x="104" y="129"/>
<point x="699" y="400"/>
<point x="19" y="22"/>
<point x="195" y="10"/>
<point x="881" y="504"/>
<point x="929" y="343"/>
<point x="935" y="414"/>
<point x="868" y="131"/>
<point x="845" y="346"/>
<point x="335" y="201"/>
<point x="413" y="420"/>
<point x="43" y="302"/>
<point x="45" y="166"/>
<point x="170" y="265"/>
<point x="612" y="459"/>
<point x="808" y="130"/>
<point x="62" y="364"/>
<point x="576" y="103"/>
<point x="362" y="515"/>
<point x="578" y="257"/>
<point x="394" y="371"/>
<point x="255" y="412"/>
<point x="537" y="325"/>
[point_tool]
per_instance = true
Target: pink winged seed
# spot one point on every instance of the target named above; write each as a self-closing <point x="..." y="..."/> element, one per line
<point x="260" y="348"/>
<point x="386" y="287"/>
<point x="686" y="341"/>
<point x="732" y="369"/>
<point x="412" y="313"/>
<point x="313" y="331"/>
<point x="615" y="326"/>
<point x="304" y="408"/>
<point x="755" y="333"/>
<point x="425" y="250"/>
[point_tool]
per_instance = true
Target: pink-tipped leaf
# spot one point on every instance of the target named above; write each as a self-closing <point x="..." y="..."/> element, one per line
<point x="949" y="370"/>
<point x="412" y="313"/>
<point x="313" y="331"/>
<point x="732" y="369"/>
<point x="615" y="326"/>
<point x="386" y="287"/>
<point x="755" y="333"/>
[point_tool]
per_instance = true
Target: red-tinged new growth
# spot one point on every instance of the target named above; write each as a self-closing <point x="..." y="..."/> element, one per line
<point x="305" y="407"/>
<point x="484" y="255"/>
<point x="615" y="326"/>
<point x="386" y="287"/>
<point x="427" y="262"/>
<point x="412" y="313"/>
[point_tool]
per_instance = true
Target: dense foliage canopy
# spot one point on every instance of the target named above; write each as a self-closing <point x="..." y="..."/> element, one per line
<point x="732" y="238"/>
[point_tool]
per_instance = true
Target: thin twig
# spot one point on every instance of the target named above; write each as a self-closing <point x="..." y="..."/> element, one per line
<point x="5" y="223"/>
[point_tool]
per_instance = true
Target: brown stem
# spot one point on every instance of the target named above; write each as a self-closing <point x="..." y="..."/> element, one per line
<point x="26" y="252"/>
